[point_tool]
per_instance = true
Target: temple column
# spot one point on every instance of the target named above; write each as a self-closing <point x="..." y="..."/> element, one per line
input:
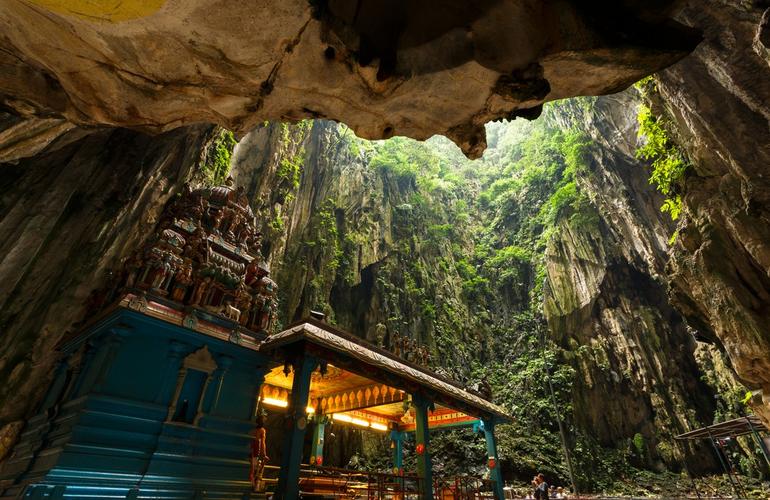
<point x="422" y="446"/>
<point x="397" y="445"/>
<point x="495" y="474"/>
<point x="317" y="448"/>
<point x="57" y="387"/>
<point x="760" y="442"/>
<point x="296" y="424"/>
<point x="210" y="398"/>
<point x="168" y="384"/>
<point x="99" y="359"/>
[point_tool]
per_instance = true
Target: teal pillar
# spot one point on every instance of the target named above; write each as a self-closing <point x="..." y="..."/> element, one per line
<point x="422" y="446"/>
<point x="317" y="449"/>
<point x="760" y="442"/>
<point x="296" y="424"/>
<point x="57" y="387"/>
<point x="98" y="360"/>
<point x="171" y="376"/>
<point x="495" y="474"/>
<point x="397" y="445"/>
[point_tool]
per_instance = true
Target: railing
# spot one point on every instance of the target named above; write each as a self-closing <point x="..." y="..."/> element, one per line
<point x="463" y="488"/>
<point x="334" y="482"/>
<point x="344" y="483"/>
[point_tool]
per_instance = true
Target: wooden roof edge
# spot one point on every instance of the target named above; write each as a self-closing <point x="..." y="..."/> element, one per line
<point x="299" y="331"/>
<point x="368" y="345"/>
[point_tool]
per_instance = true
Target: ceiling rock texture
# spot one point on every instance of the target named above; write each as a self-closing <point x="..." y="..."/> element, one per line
<point x="384" y="67"/>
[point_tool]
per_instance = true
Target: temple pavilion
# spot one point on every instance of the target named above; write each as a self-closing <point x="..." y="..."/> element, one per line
<point x="158" y="394"/>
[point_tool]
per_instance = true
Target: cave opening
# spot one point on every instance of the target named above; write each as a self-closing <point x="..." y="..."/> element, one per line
<point x="603" y="265"/>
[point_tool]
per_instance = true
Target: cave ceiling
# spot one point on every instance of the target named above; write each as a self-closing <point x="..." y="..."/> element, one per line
<point x="397" y="67"/>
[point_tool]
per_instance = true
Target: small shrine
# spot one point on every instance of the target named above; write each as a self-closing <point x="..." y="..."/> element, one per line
<point x="160" y="394"/>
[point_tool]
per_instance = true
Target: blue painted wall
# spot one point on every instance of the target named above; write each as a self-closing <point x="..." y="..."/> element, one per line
<point x="103" y="430"/>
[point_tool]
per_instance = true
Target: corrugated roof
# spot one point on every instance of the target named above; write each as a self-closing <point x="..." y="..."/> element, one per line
<point x="729" y="428"/>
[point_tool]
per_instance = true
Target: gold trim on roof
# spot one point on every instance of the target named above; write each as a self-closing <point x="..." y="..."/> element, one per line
<point x="358" y="350"/>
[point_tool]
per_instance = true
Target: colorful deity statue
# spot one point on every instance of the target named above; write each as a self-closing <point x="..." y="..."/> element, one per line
<point x="215" y="219"/>
<point x="244" y="303"/>
<point x="253" y="273"/>
<point x="255" y="246"/>
<point x="234" y="225"/>
<point x="267" y="303"/>
<point x="182" y="281"/>
<point x="161" y="273"/>
<point x="133" y="267"/>
<point x="201" y="287"/>
<point x="197" y="245"/>
<point x="396" y="344"/>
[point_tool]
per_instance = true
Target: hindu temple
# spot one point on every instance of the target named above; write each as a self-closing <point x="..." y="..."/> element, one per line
<point x="160" y="393"/>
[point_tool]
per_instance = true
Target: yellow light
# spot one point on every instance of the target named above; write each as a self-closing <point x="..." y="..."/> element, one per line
<point x="342" y="418"/>
<point x="358" y="421"/>
<point x="275" y="402"/>
<point x="310" y="409"/>
<point x="379" y="427"/>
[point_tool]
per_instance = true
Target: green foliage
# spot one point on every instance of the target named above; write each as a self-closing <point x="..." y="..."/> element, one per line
<point x="216" y="162"/>
<point x="669" y="163"/>
<point x="405" y="158"/>
<point x="292" y="156"/>
<point x="451" y="253"/>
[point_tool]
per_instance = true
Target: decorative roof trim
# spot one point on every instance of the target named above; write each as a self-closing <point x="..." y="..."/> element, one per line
<point x="320" y="334"/>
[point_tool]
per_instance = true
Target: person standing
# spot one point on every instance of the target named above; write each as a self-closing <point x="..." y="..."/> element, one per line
<point x="541" y="492"/>
<point x="259" y="455"/>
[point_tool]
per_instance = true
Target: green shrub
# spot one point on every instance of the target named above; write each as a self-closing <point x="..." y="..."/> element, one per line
<point x="669" y="163"/>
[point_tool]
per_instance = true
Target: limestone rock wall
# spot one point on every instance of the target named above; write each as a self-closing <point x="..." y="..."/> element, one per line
<point x="342" y="249"/>
<point x="720" y="269"/>
<point x="606" y="301"/>
<point x="67" y="217"/>
<point x="162" y="64"/>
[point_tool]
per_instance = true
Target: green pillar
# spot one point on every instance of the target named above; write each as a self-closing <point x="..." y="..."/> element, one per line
<point x="422" y="437"/>
<point x="397" y="441"/>
<point x="296" y="423"/>
<point x="495" y="474"/>
<point x="760" y="442"/>
<point x="317" y="449"/>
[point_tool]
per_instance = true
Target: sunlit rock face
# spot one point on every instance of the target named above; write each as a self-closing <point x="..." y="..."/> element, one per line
<point x="413" y="68"/>
<point x="606" y="301"/>
<point x="720" y="269"/>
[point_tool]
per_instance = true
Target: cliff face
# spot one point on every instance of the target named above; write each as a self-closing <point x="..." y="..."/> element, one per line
<point x="383" y="253"/>
<point x="66" y="218"/>
<point x="638" y="365"/>
<point x="347" y="237"/>
<point x="718" y="99"/>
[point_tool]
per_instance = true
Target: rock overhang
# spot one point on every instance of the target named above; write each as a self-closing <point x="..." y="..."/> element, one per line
<point x="410" y="68"/>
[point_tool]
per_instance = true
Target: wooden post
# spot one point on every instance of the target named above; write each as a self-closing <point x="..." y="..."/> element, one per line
<point x="397" y="441"/>
<point x="317" y="449"/>
<point x="296" y="424"/>
<point x="422" y="438"/>
<point x="495" y="474"/>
